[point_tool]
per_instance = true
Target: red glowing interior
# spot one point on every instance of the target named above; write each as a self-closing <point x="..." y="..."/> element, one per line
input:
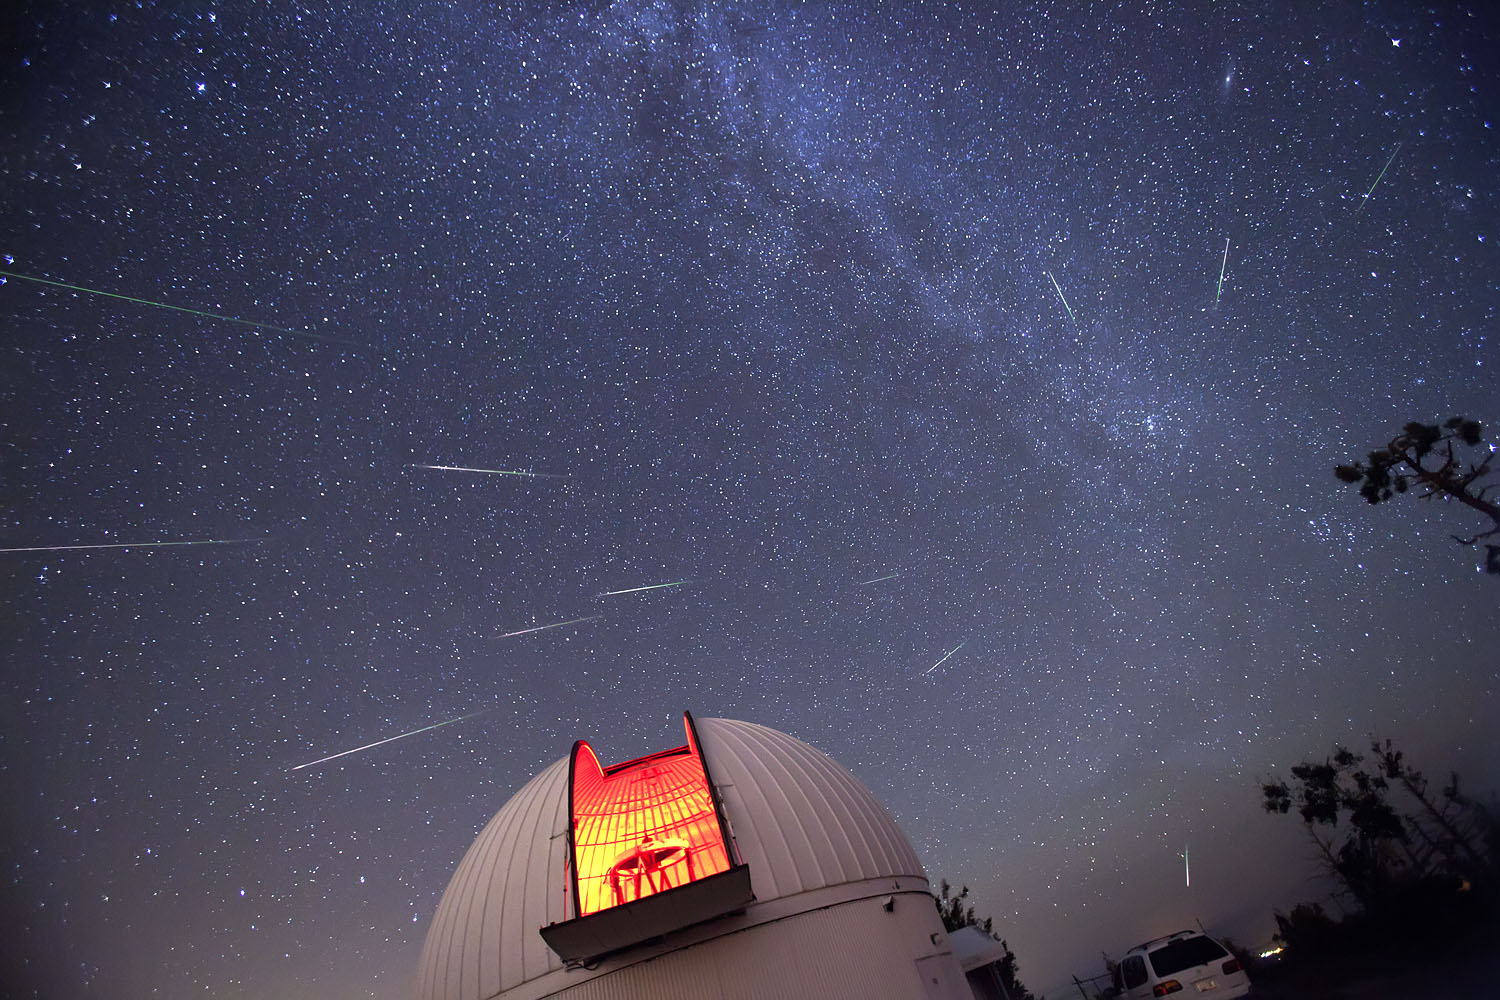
<point x="643" y="826"/>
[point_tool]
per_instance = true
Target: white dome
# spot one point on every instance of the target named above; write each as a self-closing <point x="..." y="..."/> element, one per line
<point x="802" y="823"/>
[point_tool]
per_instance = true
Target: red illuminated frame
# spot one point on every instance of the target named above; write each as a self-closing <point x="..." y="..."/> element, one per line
<point x="643" y="827"/>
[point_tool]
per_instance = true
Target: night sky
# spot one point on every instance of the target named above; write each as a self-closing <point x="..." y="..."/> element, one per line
<point x="764" y="298"/>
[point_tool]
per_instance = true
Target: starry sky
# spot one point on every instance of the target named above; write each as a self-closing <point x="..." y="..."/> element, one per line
<point x="895" y="334"/>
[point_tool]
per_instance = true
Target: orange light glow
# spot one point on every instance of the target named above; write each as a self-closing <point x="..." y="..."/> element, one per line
<point x="642" y="827"/>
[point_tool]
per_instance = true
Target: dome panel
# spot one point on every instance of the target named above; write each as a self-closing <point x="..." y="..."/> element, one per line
<point x="800" y="821"/>
<point x="484" y="938"/>
<point x="811" y="823"/>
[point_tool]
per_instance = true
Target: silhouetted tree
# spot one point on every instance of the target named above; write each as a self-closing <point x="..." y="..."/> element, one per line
<point x="1010" y="976"/>
<point x="1363" y="860"/>
<point x="1424" y="455"/>
<point x="956" y="915"/>
<point x="1371" y="848"/>
<point x="1306" y="930"/>
<point x="1451" y="827"/>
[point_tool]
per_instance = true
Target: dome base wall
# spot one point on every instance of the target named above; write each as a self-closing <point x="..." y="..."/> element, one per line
<point x="854" y="950"/>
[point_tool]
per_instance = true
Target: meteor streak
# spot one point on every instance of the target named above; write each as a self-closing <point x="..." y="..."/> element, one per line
<point x="1064" y="300"/>
<point x="543" y="628"/>
<point x="944" y="660"/>
<point x="636" y="590"/>
<point x="182" y="309"/>
<point x="137" y="545"/>
<point x="1221" y="273"/>
<point x="1383" y="169"/>
<point x="494" y="472"/>
<point x="389" y="739"/>
<point x="888" y="576"/>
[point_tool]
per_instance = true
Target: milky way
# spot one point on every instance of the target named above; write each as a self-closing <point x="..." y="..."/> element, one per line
<point x="765" y="302"/>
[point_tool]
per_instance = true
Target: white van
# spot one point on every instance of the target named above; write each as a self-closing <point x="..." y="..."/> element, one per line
<point x="1188" y="962"/>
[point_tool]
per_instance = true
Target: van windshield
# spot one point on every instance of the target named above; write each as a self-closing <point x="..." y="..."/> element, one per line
<point x="1185" y="954"/>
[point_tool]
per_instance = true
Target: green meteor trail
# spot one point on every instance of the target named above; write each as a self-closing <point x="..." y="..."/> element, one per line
<point x="389" y="739"/>
<point x="1064" y="300"/>
<point x="181" y="309"/>
<point x="137" y="545"/>
<point x="1383" y="169"/>
<point x="494" y="472"/>
<point x="888" y="576"/>
<point x="543" y="628"/>
<point x="944" y="660"/>
<point x="1222" y="266"/>
<point x="637" y="590"/>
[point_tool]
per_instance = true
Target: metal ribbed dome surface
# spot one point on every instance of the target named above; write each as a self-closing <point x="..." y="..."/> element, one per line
<point x="800" y="820"/>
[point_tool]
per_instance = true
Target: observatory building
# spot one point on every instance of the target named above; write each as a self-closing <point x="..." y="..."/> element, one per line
<point x="741" y="864"/>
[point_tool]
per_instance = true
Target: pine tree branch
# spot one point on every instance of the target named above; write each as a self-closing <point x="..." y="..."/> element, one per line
<point x="1441" y="481"/>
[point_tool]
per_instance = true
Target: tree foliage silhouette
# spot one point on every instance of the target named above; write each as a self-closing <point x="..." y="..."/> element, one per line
<point x="1431" y="458"/>
<point x="1375" y="851"/>
<point x="955" y="915"/>
<point x="951" y="908"/>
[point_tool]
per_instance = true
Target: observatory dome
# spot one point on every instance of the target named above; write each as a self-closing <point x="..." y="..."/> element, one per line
<point x="807" y="834"/>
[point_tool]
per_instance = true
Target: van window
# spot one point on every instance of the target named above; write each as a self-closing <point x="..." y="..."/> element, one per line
<point x="1134" y="970"/>
<point x="1185" y="954"/>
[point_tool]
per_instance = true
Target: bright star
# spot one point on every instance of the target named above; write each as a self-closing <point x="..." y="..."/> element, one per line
<point x="1396" y="42"/>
